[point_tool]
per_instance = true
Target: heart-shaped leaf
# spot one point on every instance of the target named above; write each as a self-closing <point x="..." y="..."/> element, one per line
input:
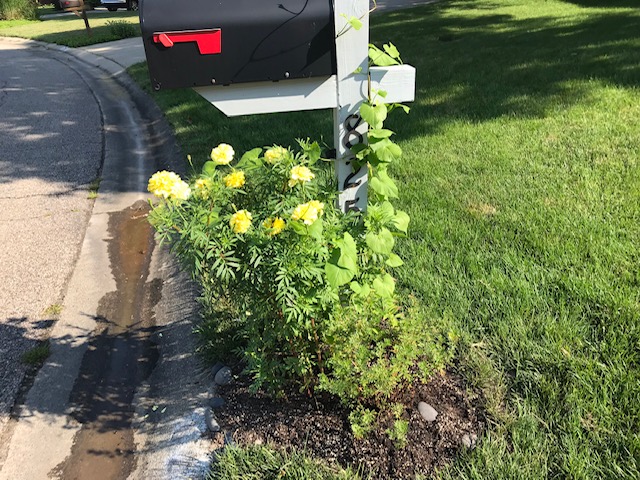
<point x="394" y="261"/>
<point x="401" y="221"/>
<point x="381" y="242"/>
<point x="384" y="285"/>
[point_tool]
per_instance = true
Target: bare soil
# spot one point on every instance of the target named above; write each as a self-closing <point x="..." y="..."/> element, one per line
<point x="321" y="427"/>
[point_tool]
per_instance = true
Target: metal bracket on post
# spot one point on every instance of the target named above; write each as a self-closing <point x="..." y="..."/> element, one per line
<point x="352" y="86"/>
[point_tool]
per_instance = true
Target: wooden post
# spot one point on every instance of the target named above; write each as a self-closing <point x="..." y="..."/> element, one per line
<point x="81" y="11"/>
<point x="352" y="85"/>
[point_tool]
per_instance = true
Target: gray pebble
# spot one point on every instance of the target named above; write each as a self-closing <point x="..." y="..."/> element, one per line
<point x="216" y="402"/>
<point x="210" y="420"/>
<point x="427" y="411"/>
<point x="216" y="368"/>
<point x="224" y="376"/>
<point x="470" y="441"/>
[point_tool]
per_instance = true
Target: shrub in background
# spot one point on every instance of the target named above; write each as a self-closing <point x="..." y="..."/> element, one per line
<point x="122" y="29"/>
<point x="18" y="10"/>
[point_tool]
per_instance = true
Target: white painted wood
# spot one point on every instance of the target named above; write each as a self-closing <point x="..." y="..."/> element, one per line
<point x="352" y="86"/>
<point x="305" y="94"/>
<point x="399" y="81"/>
<point x="271" y="97"/>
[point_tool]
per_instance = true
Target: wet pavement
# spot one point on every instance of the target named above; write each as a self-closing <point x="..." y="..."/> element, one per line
<point x="120" y="357"/>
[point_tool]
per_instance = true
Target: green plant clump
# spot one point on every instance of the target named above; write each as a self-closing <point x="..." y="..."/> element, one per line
<point x="18" y="10"/>
<point x="311" y="293"/>
<point x="37" y="355"/>
<point x="122" y="29"/>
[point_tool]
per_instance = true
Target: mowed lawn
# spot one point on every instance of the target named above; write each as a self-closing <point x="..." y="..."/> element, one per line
<point x="521" y="174"/>
<point x="69" y="30"/>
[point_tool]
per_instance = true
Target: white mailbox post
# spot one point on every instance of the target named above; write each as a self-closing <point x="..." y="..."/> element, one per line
<point x="343" y="92"/>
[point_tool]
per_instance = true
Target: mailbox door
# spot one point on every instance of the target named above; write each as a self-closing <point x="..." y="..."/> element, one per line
<point x="191" y="43"/>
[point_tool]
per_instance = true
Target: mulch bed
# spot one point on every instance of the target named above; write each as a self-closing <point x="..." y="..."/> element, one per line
<point x="320" y="426"/>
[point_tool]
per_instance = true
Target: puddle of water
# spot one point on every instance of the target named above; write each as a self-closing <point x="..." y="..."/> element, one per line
<point x="120" y="356"/>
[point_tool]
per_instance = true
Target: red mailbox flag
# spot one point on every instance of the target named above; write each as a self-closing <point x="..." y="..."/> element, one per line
<point x="209" y="42"/>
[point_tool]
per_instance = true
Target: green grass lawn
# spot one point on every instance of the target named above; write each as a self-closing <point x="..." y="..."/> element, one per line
<point x="521" y="174"/>
<point x="68" y="30"/>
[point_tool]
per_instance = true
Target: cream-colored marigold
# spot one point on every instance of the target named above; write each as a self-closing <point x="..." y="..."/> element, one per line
<point x="180" y="190"/>
<point x="161" y="183"/>
<point x="235" y="179"/>
<point x="274" y="225"/>
<point x="274" y="154"/>
<point x="222" y="154"/>
<point x="308" y="212"/>
<point x="240" y="221"/>
<point x="300" y="174"/>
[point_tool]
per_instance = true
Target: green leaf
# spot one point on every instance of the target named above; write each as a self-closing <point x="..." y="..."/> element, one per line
<point x="381" y="242"/>
<point x="251" y="159"/>
<point x="391" y="50"/>
<point x="313" y="152"/>
<point x="374" y="115"/>
<point x="401" y="221"/>
<point x="383" y="185"/>
<point x="342" y="265"/>
<point x="348" y="249"/>
<point x="394" y="261"/>
<point x="380" y="133"/>
<point x="354" y="22"/>
<point x="315" y="229"/>
<point x="209" y="167"/>
<point x="387" y="211"/>
<point x="360" y="290"/>
<point x="299" y="228"/>
<point x="384" y="285"/>
<point x="380" y="58"/>
<point x="386" y="150"/>
<point x="337" y="275"/>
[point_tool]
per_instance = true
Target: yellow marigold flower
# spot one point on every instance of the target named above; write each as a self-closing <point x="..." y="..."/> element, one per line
<point x="274" y="154"/>
<point x="275" y="225"/>
<point x="308" y="212"/>
<point x="161" y="183"/>
<point x="180" y="191"/>
<point x="222" y="154"/>
<point x="240" y="221"/>
<point x="317" y="205"/>
<point x="300" y="174"/>
<point x="202" y="187"/>
<point x="234" y="179"/>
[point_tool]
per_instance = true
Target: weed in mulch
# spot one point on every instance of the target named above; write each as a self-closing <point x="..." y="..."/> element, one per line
<point x="320" y="426"/>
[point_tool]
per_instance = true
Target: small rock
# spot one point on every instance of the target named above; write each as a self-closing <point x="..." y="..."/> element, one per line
<point x="216" y="402"/>
<point x="210" y="420"/>
<point x="216" y="368"/>
<point x="224" y="376"/>
<point x="427" y="411"/>
<point x="470" y="441"/>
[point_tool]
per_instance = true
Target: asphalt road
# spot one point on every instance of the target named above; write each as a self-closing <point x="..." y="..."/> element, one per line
<point x="50" y="150"/>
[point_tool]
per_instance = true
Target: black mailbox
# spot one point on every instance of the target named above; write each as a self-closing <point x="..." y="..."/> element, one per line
<point x="191" y="43"/>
